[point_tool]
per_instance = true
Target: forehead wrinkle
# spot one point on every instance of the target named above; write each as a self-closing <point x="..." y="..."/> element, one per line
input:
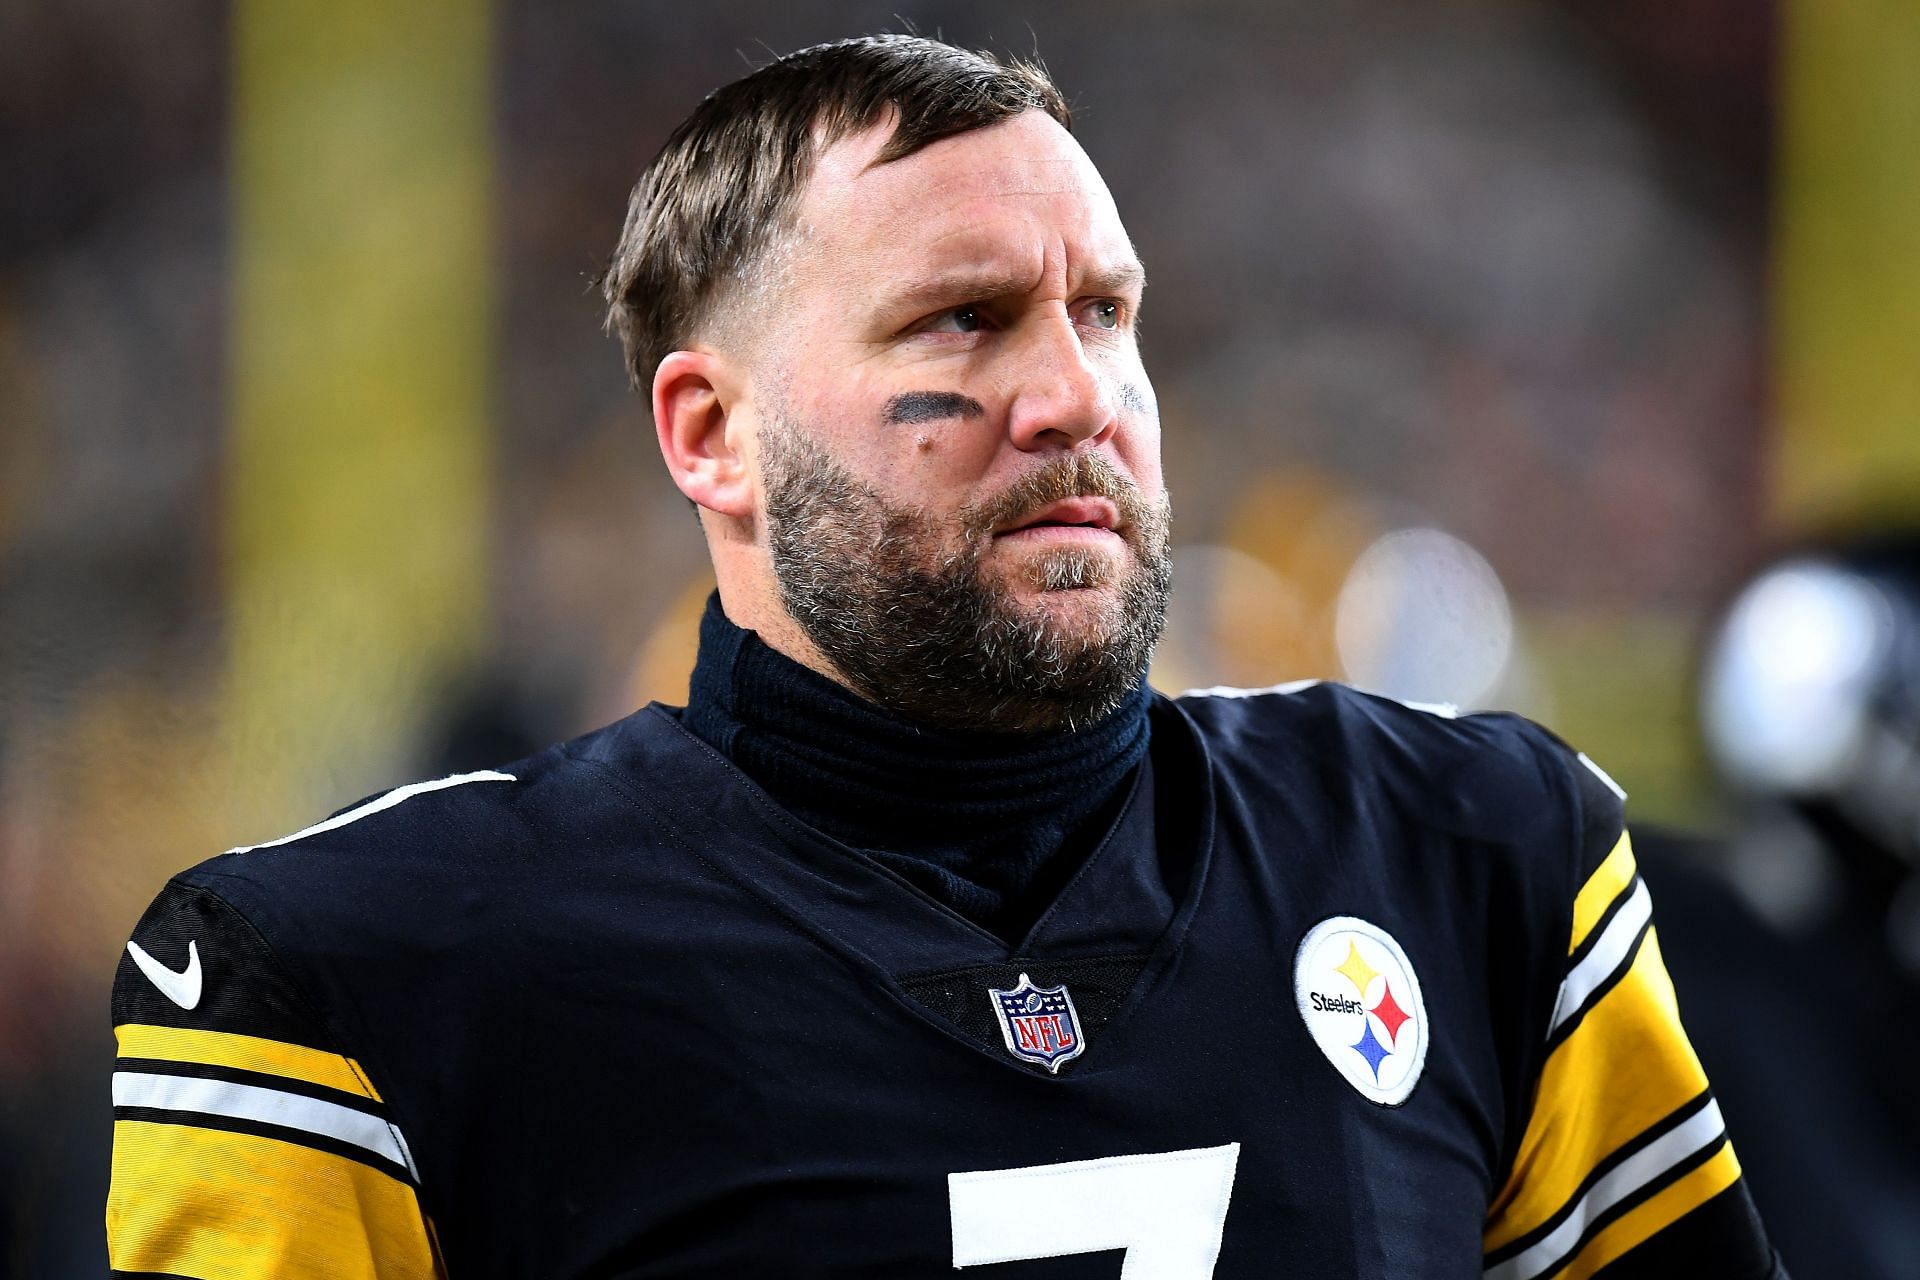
<point x="997" y="227"/>
<point x="1064" y="186"/>
<point x="857" y="175"/>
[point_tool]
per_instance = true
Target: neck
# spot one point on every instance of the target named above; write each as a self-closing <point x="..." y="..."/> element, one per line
<point x="989" y="823"/>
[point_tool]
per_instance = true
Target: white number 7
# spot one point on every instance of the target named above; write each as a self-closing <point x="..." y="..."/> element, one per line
<point x="1166" y="1209"/>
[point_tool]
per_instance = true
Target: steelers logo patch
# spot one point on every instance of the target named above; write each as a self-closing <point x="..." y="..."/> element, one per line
<point x="1361" y="1002"/>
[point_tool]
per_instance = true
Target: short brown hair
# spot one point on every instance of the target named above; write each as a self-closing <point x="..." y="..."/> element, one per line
<point x="725" y="184"/>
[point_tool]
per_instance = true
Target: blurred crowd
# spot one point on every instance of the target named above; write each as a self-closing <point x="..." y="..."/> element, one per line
<point x="1456" y="320"/>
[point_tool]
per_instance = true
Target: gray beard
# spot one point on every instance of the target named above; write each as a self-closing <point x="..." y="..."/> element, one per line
<point x="918" y="626"/>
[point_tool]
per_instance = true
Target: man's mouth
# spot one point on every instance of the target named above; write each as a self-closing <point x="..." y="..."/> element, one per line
<point x="1068" y="519"/>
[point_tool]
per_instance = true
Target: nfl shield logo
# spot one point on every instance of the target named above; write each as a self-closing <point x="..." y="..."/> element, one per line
<point x="1038" y="1023"/>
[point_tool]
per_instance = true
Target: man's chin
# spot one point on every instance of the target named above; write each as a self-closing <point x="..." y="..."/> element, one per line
<point x="1074" y="618"/>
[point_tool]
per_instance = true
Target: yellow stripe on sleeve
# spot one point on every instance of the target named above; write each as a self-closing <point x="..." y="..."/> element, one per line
<point x="1613" y="875"/>
<point x="1663" y="1209"/>
<point x="230" y="1206"/>
<point x="1625" y="1067"/>
<point x="244" y="1053"/>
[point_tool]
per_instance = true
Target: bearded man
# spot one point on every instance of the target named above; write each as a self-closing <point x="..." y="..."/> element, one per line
<point x="926" y="936"/>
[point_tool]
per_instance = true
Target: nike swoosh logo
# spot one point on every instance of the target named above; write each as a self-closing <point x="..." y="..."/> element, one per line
<point x="182" y="988"/>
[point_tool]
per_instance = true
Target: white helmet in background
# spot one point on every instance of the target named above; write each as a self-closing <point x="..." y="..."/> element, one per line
<point x="1810" y="710"/>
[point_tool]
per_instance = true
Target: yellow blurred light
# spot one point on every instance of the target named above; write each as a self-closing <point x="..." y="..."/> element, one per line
<point x="358" y="488"/>
<point x="1846" y="269"/>
<point x="660" y="673"/>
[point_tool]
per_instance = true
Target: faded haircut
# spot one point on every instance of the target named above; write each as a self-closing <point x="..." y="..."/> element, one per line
<point x="723" y="189"/>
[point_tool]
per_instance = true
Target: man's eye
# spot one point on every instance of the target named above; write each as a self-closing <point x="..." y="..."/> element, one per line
<point x="1105" y="314"/>
<point x="958" y="320"/>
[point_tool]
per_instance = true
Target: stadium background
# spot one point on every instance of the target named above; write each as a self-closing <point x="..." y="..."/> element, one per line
<point x="1494" y="342"/>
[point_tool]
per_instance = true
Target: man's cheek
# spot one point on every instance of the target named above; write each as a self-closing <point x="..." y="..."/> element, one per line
<point x="1137" y="399"/>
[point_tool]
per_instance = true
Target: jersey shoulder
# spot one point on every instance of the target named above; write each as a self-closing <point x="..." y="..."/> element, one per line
<point x="220" y="947"/>
<point x="1490" y="776"/>
<point x="437" y="840"/>
<point x="405" y="889"/>
<point x="342" y="967"/>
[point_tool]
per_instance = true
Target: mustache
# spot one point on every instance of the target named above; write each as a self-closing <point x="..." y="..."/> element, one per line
<point x="1070" y="476"/>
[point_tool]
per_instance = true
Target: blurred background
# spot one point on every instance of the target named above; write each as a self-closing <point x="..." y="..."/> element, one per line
<point x="1497" y="343"/>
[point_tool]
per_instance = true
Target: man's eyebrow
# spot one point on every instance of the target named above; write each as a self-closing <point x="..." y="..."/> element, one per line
<point x="910" y="407"/>
<point x="1129" y="277"/>
<point x="972" y="284"/>
<point x="963" y="285"/>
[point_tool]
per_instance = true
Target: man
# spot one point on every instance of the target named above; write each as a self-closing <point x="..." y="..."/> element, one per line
<point x="925" y="936"/>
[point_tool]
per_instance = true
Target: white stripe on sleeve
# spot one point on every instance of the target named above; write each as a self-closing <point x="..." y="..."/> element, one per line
<point x="1629" y="1176"/>
<point x="1614" y="948"/>
<point x="1603" y="775"/>
<point x="264" y="1106"/>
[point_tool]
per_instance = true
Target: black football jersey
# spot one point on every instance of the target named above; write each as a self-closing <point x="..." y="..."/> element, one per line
<point x="1349" y="989"/>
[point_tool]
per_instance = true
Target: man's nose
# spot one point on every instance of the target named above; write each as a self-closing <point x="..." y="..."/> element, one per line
<point x="1062" y="399"/>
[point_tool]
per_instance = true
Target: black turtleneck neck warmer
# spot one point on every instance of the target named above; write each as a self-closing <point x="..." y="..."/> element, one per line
<point x="991" y="824"/>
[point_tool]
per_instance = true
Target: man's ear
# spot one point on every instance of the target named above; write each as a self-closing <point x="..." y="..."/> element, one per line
<point x="695" y="396"/>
